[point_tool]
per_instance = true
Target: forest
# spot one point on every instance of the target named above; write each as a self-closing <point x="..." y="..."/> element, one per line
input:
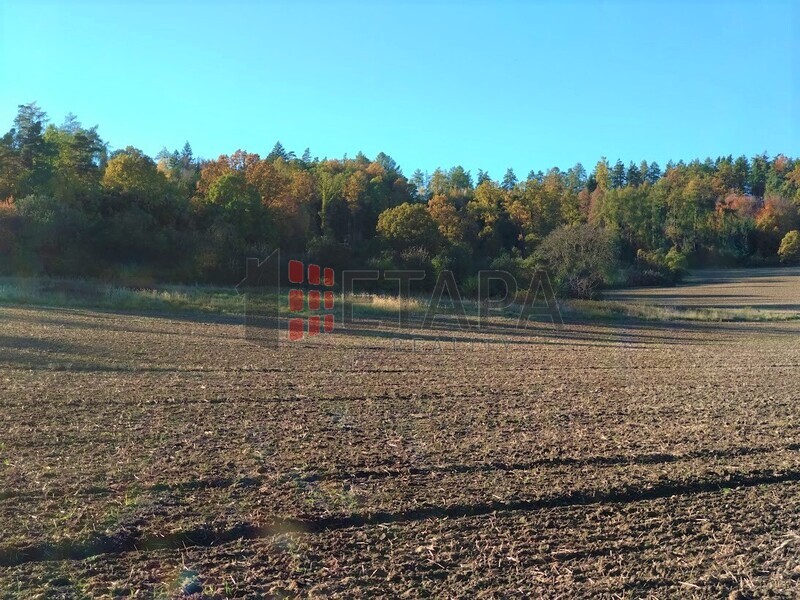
<point x="71" y="208"/>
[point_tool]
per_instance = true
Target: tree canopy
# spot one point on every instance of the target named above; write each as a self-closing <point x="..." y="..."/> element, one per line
<point x="181" y="217"/>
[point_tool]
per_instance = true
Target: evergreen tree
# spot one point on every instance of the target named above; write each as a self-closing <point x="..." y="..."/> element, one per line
<point x="509" y="180"/>
<point x="618" y="175"/>
<point x="278" y="151"/>
<point x="634" y="175"/>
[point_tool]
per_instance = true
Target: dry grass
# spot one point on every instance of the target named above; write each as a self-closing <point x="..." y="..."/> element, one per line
<point x="90" y="294"/>
<point x="387" y="304"/>
<point x="610" y="309"/>
<point x="718" y="296"/>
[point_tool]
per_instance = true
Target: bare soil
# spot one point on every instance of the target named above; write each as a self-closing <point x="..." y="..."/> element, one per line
<point x="774" y="290"/>
<point x="164" y="456"/>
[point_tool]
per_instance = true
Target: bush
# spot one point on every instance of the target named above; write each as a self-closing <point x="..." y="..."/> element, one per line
<point x="415" y="258"/>
<point x="647" y="277"/>
<point x="385" y="261"/>
<point x="455" y="258"/>
<point x="511" y="265"/>
<point x="419" y="259"/>
<point x="789" y="250"/>
<point x="656" y="268"/>
<point x="507" y="263"/>
<point x="580" y="259"/>
<point x="470" y="287"/>
<point x="9" y="245"/>
<point x="327" y="252"/>
<point x="58" y="235"/>
<point x="676" y="262"/>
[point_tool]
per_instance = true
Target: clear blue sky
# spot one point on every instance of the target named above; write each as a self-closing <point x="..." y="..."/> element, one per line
<point x="481" y="84"/>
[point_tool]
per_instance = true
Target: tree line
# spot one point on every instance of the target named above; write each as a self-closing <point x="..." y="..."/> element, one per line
<point x="69" y="207"/>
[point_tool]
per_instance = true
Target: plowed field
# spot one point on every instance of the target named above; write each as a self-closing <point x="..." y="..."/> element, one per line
<point x="161" y="456"/>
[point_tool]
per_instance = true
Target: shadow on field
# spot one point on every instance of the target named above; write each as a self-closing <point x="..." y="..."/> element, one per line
<point x="12" y="343"/>
<point x="18" y="351"/>
<point x="129" y="537"/>
<point x="691" y="301"/>
<point x="389" y="470"/>
<point x="46" y="348"/>
<point x="511" y="336"/>
<point x="700" y="276"/>
<point x="110" y="320"/>
<point x="624" y="297"/>
<point x="577" y="331"/>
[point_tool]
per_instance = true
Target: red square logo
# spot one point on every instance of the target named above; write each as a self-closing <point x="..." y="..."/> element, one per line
<point x="295" y="271"/>
<point x="296" y="327"/>
<point x="295" y="300"/>
<point x="316" y="276"/>
<point x="313" y="325"/>
<point x="313" y="274"/>
<point x="313" y="300"/>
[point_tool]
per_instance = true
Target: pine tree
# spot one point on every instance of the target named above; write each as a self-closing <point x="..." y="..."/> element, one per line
<point x="634" y="175"/>
<point x="278" y="151"/>
<point x="653" y="173"/>
<point x="618" y="175"/>
<point x="509" y="180"/>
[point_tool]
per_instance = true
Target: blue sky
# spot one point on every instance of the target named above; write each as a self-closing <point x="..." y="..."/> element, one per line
<point x="481" y="84"/>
